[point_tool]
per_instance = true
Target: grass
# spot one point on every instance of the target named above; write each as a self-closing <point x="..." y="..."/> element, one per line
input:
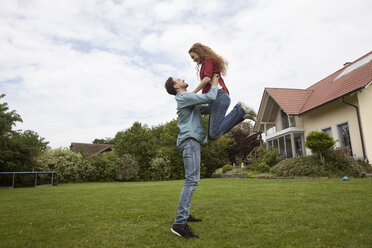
<point x="235" y="212"/>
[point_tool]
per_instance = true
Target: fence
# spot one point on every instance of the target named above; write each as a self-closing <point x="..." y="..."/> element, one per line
<point x="36" y="173"/>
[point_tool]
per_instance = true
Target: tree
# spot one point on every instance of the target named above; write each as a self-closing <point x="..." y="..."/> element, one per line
<point x="244" y="143"/>
<point x="167" y="138"/>
<point x="160" y="169"/>
<point x="139" y="142"/>
<point x="8" y="119"/>
<point x="319" y="142"/>
<point x="127" y="168"/>
<point x="214" y="155"/>
<point x="107" y="140"/>
<point x="18" y="150"/>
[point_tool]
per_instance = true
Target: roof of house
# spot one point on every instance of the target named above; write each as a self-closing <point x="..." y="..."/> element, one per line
<point x="90" y="150"/>
<point x="351" y="77"/>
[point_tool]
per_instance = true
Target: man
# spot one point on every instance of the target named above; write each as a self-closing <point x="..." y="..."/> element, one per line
<point x="189" y="141"/>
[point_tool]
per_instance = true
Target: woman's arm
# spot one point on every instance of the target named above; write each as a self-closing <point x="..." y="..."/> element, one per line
<point x="202" y="84"/>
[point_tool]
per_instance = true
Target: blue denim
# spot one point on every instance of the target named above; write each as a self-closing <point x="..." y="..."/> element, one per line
<point x="218" y="123"/>
<point x="190" y="149"/>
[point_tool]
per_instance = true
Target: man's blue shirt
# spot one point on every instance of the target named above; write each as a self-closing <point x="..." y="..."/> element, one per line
<point x="189" y="118"/>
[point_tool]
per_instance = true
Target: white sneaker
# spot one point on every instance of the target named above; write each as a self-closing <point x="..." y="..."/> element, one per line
<point x="249" y="112"/>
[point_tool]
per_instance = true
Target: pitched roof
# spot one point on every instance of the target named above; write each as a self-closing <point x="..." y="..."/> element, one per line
<point x="290" y="100"/>
<point x="352" y="77"/>
<point x="90" y="150"/>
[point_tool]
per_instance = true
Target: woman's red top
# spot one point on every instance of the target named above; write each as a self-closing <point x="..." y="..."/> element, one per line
<point x="207" y="69"/>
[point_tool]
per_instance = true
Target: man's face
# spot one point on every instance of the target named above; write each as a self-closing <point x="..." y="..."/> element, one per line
<point x="180" y="83"/>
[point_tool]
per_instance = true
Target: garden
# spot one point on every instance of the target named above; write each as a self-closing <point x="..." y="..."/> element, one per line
<point x="236" y="212"/>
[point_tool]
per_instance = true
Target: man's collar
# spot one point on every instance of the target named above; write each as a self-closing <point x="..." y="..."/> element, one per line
<point x="179" y="92"/>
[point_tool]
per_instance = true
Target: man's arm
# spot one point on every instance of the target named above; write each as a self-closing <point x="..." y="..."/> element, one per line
<point x="192" y="99"/>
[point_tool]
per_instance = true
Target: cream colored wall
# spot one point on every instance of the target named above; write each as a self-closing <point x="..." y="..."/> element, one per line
<point x="299" y="121"/>
<point x="365" y="109"/>
<point x="331" y="115"/>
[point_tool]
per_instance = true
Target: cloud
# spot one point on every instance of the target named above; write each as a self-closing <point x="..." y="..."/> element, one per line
<point x="80" y="70"/>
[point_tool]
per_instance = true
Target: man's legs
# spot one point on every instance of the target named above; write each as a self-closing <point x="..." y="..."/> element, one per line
<point x="190" y="149"/>
<point x="191" y="158"/>
<point x="219" y="124"/>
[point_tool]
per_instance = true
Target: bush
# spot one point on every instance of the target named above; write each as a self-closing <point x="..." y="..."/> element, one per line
<point x="127" y="168"/>
<point x="338" y="164"/>
<point x="104" y="167"/>
<point x="265" y="157"/>
<point x="226" y="168"/>
<point x="160" y="169"/>
<point x="319" y="143"/>
<point x="263" y="167"/>
<point x="69" y="166"/>
<point x="271" y="157"/>
<point x="300" y="166"/>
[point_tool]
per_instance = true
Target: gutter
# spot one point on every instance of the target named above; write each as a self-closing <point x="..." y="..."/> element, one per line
<point x="359" y="124"/>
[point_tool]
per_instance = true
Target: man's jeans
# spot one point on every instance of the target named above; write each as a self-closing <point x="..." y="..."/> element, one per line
<point x="190" y="149"/>
<point x="218" y="123"/>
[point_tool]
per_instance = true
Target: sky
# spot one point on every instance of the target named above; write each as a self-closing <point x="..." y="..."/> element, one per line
<point x="77" y="70"/>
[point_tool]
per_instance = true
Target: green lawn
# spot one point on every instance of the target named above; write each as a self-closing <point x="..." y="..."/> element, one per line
<point x="235" y="212"/>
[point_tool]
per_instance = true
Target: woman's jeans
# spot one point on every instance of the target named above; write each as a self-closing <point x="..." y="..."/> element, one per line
<point x="190" y="149"/>
<point x="218" y="123"/>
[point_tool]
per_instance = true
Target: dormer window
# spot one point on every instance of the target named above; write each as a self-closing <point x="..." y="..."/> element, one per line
<point x="354" y="66"/>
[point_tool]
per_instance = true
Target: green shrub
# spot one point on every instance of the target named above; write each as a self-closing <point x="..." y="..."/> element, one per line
<point x="127" y="168"/>
<point x="319" y="143"/>
<point x="104" y="167"/>
<point x="263" y="167"/>
<point x="160" y="169"/>
<point x="300" y="166"/>
<point x="338" y="164"/>
<point x="267" y="157"/>
<point x="226" y="168"/>
<point x="271" y="157"/>
<point x="69" y="166"/>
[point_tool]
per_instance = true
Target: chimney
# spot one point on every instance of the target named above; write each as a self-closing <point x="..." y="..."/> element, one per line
<point x="347" y="63"/>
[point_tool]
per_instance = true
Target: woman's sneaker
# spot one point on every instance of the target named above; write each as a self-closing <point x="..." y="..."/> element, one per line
<point x="249" y="112"/>
<point x="183" y="230"/>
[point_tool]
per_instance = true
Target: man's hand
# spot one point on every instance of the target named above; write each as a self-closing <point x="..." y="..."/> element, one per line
<point x="215" y="79"/>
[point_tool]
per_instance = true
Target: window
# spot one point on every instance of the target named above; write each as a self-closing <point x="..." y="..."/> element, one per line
<point x="328" y="130"/>
<point x="284" y="117"/>
<point x="344" y="136"/>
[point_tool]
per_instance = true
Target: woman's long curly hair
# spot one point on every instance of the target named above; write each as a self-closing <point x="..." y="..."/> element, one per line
<point x="205" y="51"/>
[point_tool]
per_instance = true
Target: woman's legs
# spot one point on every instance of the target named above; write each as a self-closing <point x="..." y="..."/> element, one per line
<point x="219" y="124"/>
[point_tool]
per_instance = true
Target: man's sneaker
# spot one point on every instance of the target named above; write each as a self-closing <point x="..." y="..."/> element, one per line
<point x="193" y="219"/>
<point x="183" y="230"/>
<point x="249" y="112"/>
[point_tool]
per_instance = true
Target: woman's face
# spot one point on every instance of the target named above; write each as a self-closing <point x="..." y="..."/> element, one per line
<point x="195" y="57"/>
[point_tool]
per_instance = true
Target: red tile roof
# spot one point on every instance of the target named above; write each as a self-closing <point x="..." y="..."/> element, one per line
<point x="290" y="100"/>
<point x="90" y="150"/>
<point x="297" y="101"/>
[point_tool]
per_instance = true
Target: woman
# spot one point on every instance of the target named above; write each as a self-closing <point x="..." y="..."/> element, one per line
<point x="207" y="64"/>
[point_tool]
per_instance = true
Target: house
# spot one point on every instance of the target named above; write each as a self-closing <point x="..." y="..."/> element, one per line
<point x="90" y="150"/>
<point x="340" y="104"/>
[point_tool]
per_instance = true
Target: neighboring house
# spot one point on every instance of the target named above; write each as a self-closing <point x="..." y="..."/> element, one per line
<point x="90" y="150"/>
<point x="340" y="104"/>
